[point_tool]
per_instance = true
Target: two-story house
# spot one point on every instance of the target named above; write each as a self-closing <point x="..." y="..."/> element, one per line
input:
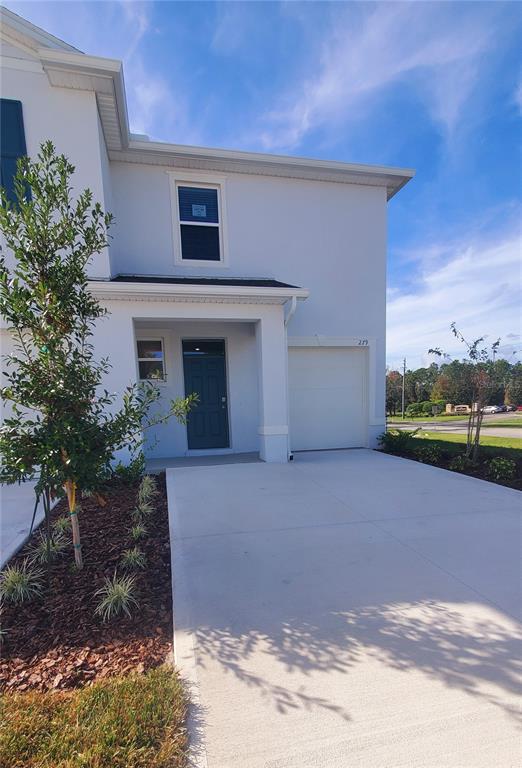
<point x="256" y="280"/>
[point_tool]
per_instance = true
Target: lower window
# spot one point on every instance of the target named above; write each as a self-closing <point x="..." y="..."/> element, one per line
<point x="151" y="360"/>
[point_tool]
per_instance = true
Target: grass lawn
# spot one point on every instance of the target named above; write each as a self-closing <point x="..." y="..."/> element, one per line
<point x="422" y="419"/>
<point x="514" y="422"/>
<point x="493" y="446"/>
<point x="131" y="722"/>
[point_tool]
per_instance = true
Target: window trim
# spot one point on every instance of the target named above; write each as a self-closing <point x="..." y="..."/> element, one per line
<point x="187" y="179"/>
<point x="139" y="359"/>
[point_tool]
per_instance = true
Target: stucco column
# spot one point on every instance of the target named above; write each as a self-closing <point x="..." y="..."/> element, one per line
<point x="114" y="339"/>
<point x="272" y="356"/>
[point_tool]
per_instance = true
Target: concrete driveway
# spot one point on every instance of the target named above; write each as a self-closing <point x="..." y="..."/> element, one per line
<point x="16" y="514"/>
<point x="347" y="610"/>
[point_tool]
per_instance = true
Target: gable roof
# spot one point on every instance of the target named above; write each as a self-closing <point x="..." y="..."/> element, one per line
<point x="29" y="35"/>
<point x="69" y="68"/>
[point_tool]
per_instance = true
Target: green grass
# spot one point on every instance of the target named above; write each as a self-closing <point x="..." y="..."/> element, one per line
<point x="514" y="422"/>
<point x="421" y="419"/>
<point x="492" y="446"/>
<point x="131" y="722"/>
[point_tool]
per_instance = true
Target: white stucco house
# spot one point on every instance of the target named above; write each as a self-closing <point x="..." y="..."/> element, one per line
<point x="256" y="280"/>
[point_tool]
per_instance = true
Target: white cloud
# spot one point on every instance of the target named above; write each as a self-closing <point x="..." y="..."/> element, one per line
<point x="118" y="30"/>
<point x="477" y="284"/>
<point x="423" y="45"/>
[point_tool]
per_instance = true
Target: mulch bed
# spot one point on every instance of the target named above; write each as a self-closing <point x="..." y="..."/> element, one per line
<point x="479" y="470"/>
<point x="56" y="642"/>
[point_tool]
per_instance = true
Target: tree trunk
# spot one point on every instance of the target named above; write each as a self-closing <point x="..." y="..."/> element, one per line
<point x="70" y="490"/>
<point x="476" y="444"/>
<point x="469" y="436"/>
<point x="47" y="513"/>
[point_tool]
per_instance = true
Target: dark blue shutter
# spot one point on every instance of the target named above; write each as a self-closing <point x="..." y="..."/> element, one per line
<point x="198" y="204"/>
<point x="12" y="142"/>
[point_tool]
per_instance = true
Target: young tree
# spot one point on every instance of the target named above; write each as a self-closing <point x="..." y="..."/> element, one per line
<point x="513" y="392"/>
<point x="393" y="392"/>
<point x="63" y="429"/>
<point x="481" y="383"/>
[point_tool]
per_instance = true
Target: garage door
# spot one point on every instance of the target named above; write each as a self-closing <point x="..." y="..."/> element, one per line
<point x="328" y="397"/>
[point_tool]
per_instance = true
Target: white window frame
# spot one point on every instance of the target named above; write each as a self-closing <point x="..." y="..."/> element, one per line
<point x="187" y="179"/>
<point x="139" y="359"/>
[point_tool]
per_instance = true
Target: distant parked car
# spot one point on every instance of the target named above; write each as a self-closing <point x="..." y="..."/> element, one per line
<point x="511" y="408"/>
<point x="492" y="409"/>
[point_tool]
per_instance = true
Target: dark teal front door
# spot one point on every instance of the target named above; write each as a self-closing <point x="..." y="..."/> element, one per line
<point x="205" y="373"/>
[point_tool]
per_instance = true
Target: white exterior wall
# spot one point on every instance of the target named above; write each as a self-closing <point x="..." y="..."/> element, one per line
<point x="327" y="237"/>
<point x="324" y="236"/>
<point x="69" y="118"/>
<point x="170" y="439"/>
<point x="256" y="374"/>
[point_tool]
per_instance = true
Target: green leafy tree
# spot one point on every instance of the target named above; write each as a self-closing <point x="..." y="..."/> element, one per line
<point x="63" y="428"/>
<point x="481" y="381"/>
<point x="442" y="389"/>
<point x="393" y="392"/>
<point x="513" y="391"/>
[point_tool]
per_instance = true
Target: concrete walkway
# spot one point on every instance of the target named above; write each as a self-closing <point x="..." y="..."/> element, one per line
<point x="347" y="610"/>
<point x="16" y="513"/>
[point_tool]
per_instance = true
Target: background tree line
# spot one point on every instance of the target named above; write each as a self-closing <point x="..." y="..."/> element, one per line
<point x="452" y="382"/>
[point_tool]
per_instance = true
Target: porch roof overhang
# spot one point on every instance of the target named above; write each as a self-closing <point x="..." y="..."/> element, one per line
<point x="198" y="290"/>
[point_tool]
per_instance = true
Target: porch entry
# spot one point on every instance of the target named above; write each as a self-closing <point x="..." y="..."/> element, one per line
<point x="204" y="368"/>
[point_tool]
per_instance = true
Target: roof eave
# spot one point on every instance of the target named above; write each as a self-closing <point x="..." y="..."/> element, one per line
<point x="121" y="291"/>
<point x="236" y="161"/>
<point x="93" y="73"/>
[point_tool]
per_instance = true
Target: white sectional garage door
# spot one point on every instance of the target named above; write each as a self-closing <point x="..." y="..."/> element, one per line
<point x="328" y="397"/>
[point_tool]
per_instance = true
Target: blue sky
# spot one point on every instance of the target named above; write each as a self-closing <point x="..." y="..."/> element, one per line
<point x="434" y="86"/>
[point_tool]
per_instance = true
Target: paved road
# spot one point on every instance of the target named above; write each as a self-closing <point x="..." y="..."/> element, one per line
<point x="347" y="610"/>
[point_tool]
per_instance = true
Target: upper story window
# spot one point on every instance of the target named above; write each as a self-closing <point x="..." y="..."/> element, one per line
<point x="12" y="143"/>
<point x="199" y="220"/>
<point x="199" y="223"/>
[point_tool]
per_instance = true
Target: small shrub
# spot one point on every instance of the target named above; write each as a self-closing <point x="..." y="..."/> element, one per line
<point x="132" y="472"/>
<point x="501" y="470"/>
<point x="428" y="454"/>
<point x="138" y="532"/>
<point x="41" y="553"/>
<point x="117" y="596"/>
<point x="3" y="630"/>
<point x="134" y="558"/>
<point x="62" y="525"/>
<point x="148" y="489"/>
<point x="461" y="463"/>
<point x="21" y="583"/>
<point x="397" y="440"/>
<point x="143" y="509"/>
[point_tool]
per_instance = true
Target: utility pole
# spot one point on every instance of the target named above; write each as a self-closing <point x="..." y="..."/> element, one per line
<point x="403" y="384"/>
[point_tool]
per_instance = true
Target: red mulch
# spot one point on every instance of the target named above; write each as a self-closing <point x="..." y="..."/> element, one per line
<point x="56" y="642"/>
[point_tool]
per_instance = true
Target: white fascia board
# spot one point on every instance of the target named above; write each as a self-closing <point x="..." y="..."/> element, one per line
<point x="257" y="162"/>
<point x="77" y="70"/>
<point x="174" y="292"/>
<point x="74" y="60"/>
